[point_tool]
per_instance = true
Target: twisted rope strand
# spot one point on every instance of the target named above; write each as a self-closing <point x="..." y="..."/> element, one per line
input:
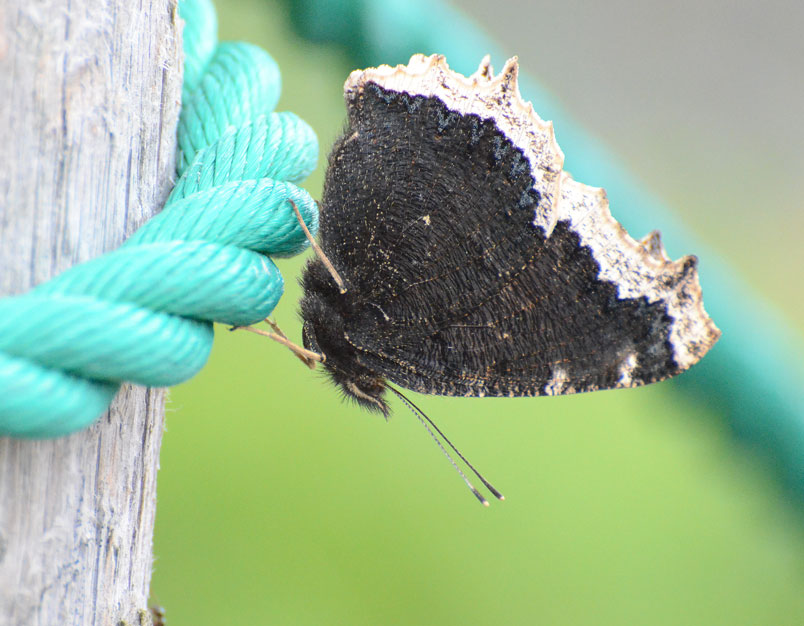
<point x="144" y="313"/>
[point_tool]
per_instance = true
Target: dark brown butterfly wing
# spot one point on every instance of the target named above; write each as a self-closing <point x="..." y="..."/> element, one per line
<point x="474" y="265"/>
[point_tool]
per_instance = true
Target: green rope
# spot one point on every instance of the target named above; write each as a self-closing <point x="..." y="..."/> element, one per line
<point x="144" y="313"/>
<point x="755" y="373"/>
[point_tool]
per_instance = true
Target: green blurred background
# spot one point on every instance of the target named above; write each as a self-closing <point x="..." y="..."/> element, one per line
<point x="279" y="504"/>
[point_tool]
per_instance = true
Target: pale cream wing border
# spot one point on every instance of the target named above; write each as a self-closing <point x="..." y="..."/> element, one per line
<point x="637" y="268"/>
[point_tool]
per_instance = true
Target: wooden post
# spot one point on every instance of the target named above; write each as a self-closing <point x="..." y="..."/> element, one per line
<point x="89" y="99"/>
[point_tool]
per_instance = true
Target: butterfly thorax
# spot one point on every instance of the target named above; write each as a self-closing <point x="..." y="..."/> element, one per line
<point x="325" y="312"/>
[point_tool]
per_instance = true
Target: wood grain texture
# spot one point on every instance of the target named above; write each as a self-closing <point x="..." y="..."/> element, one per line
<point x="90" y="99"/>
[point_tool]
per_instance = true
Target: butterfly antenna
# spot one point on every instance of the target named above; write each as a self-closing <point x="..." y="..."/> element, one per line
<point x="473" y="489"/>
<point x="422" y="416"/>
<point x="318" y="251"/>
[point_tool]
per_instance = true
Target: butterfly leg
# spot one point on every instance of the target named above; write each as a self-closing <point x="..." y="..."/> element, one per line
<point x="318" y="251"/>
<point x="308" y="357"/>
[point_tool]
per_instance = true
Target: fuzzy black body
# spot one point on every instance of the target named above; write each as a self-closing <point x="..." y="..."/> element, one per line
<point x="428" y="216"/>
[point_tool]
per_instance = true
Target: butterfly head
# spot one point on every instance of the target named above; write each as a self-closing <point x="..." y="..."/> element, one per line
<point x="323" y="310"/>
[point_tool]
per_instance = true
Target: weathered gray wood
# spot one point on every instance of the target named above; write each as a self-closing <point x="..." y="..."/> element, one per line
<point x="89" y="98"/>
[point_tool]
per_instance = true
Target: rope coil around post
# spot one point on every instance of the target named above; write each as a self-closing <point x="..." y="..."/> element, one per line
<point x="144" y="313"/>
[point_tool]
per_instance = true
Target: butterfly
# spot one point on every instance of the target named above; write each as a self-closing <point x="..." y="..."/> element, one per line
<point x="458" y="258"/>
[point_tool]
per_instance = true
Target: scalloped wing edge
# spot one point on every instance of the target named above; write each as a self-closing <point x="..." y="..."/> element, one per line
<point x="637" y="268"/>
